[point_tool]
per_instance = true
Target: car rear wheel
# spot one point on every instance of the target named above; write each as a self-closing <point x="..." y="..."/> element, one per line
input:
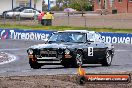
<point x="78" y="59"/>
<point x="108" y="59"/>
<point x="34" y="65"/>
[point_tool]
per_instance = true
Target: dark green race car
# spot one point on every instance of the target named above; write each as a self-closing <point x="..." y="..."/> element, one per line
<point x="71" y="48"/>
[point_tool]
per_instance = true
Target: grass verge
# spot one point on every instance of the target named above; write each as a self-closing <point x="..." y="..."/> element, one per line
<point x="61" y="28"/>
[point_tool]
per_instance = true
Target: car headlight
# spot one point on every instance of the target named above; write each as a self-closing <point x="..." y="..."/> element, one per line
<point x="67" y="51"/>
<point x="60" y="51"/>
<point x="30" y="51"/>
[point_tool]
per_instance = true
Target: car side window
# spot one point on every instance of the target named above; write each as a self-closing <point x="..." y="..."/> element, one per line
<point x="30" y="11"/>
<point x="25" y="11"/>
<point x="34" y="11"/>
<point x="98" y="37"/>
<point x="90" y="37"/>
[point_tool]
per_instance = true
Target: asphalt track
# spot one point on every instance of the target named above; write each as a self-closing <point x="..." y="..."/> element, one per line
<point x="122" y="61"/>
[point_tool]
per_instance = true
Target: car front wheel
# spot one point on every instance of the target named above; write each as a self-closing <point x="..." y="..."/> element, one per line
<point x="66" y="65"/>
<point x="108" y="59"/>
<point x="78" y="59"/>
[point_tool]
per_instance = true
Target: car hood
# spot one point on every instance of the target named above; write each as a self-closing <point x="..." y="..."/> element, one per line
<point x="55" y="45"/>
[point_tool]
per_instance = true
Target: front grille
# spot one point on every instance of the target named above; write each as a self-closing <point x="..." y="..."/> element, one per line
<point x="48" y="53"/>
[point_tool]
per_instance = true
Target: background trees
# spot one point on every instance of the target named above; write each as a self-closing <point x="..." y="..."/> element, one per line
<point x="80" y="5"/>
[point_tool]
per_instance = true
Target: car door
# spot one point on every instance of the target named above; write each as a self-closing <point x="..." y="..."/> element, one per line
<point x="89" y="49"/>
<point x="35" y="12"/>
<point x="12" y="14"/>
<point x="99" y="46"/>
<point x="27" y="13"/>
<point x="95" y="48"/>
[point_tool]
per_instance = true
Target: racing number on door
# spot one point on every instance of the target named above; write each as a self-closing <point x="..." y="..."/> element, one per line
<point x="90" y="51"/>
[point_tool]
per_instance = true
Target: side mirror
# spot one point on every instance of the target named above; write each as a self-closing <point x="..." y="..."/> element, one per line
<point x="90" y="40"/>
<point x="102" y="39"/>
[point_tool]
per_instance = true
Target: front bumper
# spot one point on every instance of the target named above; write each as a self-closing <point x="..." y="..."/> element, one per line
<point x="48" y="60"/>
<point x="50" y="56"/>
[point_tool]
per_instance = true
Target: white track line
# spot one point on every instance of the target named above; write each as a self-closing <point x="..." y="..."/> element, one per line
<point x="13" y="49"/>
<point x="123" y="50"/>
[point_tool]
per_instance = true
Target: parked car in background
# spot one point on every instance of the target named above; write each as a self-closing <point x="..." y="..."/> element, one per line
<point x="69" y="10"/>
<point x="72" y="48"/>
<point x="16" y="11"/>
<point x="25" y="13"/>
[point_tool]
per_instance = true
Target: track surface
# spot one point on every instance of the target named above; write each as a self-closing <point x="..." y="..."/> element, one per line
<point x="122" y="61"/>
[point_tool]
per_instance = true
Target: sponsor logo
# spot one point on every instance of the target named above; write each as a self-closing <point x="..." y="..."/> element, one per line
<point x="4" y="34"/>
<point x="109" y="39"/>
<point x="102" y="78"/>
<point x="28" y="35"/>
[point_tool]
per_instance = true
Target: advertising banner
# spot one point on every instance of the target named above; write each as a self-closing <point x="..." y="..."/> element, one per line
<point x="45" y="34"/>
<point x="117" y="37"/>
<point x="25" y="34"/>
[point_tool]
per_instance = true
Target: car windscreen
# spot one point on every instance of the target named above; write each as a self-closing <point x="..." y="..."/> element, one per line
<point x="68" y="37"/>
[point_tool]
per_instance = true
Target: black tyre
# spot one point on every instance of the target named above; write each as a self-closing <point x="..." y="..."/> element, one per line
<point x="108" y="59"/>
<point x="65" y="64"/>
<point x="78" y="60"/>
<point x="82" y="80"/>
<point x="34" y="65"/>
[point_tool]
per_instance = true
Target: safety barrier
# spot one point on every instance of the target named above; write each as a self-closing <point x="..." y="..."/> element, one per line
<point x="25" y="34"/>
<point x="45" y="34"/>
<point x="117" y="37"/>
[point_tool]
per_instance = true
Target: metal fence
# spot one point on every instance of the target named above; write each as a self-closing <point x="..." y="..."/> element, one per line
<point x="122" y="21"/>
<point x="18" y="21"/>
<point x="99" y="21"/>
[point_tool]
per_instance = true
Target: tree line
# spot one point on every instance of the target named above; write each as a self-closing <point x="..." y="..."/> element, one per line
<point x="79" y="5"/>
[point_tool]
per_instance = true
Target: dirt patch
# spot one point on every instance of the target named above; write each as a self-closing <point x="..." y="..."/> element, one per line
<point x="38" y="82"/>
<point x="54" y="81"/>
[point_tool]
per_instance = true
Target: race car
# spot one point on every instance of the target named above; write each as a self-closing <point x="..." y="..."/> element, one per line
<point x="71" y="48"/>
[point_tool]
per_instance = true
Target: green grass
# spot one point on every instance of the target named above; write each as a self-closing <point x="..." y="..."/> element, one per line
<point x="61" y="28"/>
